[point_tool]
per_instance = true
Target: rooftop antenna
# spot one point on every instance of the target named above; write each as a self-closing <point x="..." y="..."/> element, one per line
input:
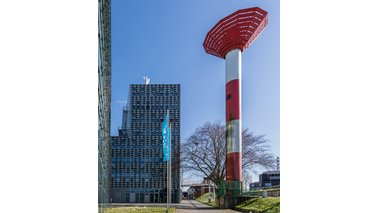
<point x="146" y="80"/>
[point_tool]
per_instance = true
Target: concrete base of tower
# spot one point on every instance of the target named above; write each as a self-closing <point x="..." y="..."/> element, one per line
<point x="230" y="202"/>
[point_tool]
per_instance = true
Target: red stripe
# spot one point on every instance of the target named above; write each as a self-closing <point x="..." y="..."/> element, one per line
<point x="232" y="100"/>
<point x="233" y="171"/>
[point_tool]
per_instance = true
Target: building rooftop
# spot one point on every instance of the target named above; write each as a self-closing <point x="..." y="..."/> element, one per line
<point x="272" y="172"/>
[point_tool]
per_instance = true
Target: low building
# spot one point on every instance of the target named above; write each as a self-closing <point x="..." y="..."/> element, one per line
<point x="197" y="190"/>
<point x="270" y="178"/>
<point x="254" y="185"/>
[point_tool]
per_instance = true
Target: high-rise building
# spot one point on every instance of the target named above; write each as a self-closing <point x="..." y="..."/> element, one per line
<point x="139" y="174"/>
<point x="104" y="96"/>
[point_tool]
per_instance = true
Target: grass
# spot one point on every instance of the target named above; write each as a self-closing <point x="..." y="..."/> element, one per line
<point x="261" y="205"/>
<point x="205" y="200"/>
<point x="135" y="209"/>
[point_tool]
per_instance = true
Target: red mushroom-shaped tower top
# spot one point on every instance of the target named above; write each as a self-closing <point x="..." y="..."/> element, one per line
<point x="235" y="31"/>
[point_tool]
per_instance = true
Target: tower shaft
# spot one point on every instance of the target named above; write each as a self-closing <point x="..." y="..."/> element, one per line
<point x="233" y="115"/>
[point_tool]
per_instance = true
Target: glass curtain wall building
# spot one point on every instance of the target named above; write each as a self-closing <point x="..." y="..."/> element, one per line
<point x="138" y="173"/>
<point x="104" y="98"/>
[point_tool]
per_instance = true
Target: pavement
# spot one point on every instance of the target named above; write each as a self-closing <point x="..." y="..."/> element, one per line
<point x="186" y="206"/>
<point x="192" y="206"/>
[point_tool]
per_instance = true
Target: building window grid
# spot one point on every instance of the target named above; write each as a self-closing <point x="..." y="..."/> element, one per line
<point x="154" y="140"/>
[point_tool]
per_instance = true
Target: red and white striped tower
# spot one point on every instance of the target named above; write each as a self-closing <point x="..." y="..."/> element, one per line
<point x="227" y="39"/>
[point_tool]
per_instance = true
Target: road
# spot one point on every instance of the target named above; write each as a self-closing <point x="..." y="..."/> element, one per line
<point x="192" y="206"/>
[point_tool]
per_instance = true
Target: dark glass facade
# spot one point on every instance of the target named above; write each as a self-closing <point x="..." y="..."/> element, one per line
<point x="271" y="178"/>
<point x="138" y="173"/>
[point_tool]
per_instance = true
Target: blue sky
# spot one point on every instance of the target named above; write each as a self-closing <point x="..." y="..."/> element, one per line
<point x="163" y="40"/>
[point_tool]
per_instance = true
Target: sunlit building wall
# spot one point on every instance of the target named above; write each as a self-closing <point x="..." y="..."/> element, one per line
<point x="104" y="100"/>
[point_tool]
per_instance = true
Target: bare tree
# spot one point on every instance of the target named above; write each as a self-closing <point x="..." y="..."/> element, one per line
<point x="256" y="152"/>
<point x="205" y="152"/>
<point x="247" y="179"/>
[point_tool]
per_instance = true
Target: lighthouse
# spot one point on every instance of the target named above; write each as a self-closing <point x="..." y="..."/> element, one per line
<point x="228" y="39"/>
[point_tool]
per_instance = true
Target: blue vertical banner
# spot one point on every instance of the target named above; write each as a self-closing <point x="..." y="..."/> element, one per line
<point x="166" y="139"/>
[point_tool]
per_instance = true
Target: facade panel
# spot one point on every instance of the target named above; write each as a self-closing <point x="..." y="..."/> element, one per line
<point x="104" y="96"/>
